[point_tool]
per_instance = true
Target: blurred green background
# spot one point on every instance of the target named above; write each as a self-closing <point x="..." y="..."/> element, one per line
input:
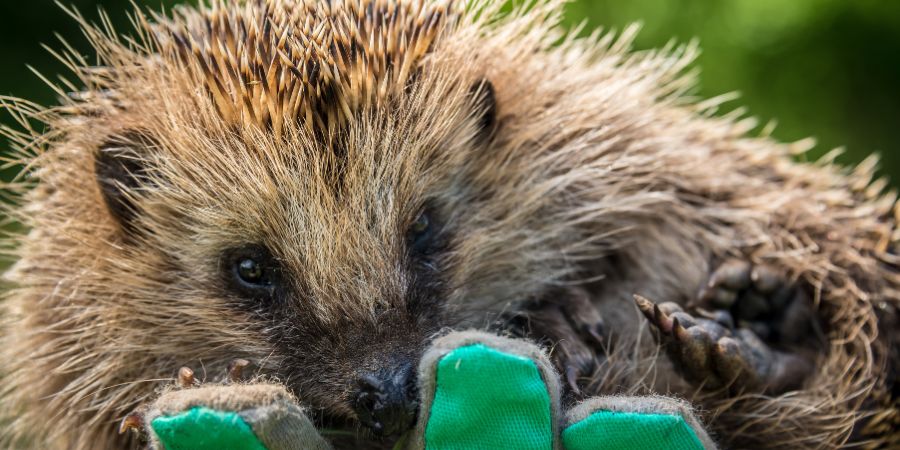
<point x="823" y="68"/>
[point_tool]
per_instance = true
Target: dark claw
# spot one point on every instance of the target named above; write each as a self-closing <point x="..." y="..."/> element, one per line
<point x="678" y="331"/>
<point x="583" y="316"/>
<point x="645" y="306"/>
<point x="236" y="370"/>
<point x="657" y="317"/>
<point x="572" y="380"/>
<point x="730" y="361"/>
<point x="654" y="314"/>
<point x="132" y="422"/>
<point x="663" y="321"/>
<point x="186" y="377"/>
<point x="596" y="334"/>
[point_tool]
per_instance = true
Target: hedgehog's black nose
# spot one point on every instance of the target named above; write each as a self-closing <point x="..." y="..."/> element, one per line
<point x="386" y="400"/>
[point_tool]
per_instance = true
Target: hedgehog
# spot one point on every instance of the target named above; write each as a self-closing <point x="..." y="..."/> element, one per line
<point x="321" y="188"/>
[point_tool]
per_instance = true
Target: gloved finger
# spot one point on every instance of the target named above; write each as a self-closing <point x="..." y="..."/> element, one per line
<point x="647" y="422"/>
<point x="479" y="390"/>
<point x="232" y="416"/>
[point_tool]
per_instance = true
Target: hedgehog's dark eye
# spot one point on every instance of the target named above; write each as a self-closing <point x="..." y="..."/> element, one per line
<point x="251" y="272"/>
<point x="421" y="225"/>
<point x="421" y="233"/>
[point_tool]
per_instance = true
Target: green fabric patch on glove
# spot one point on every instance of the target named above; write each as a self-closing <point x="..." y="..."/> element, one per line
<point x="488" y="399"/>
<point x="204" y="428"/>
<point x="479" y="391"/>
<point x="606" y="430"/>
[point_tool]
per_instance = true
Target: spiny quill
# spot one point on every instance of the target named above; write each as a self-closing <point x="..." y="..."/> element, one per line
<point x="318" y="62"/>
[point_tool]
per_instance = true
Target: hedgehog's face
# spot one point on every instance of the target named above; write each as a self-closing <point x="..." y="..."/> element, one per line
<point x="334" y="258"/>
<point x="350" y="316"/>
<point x="348" y="319"/>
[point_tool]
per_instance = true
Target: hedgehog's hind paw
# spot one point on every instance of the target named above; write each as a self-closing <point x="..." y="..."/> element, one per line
<point x="716" y="356"/>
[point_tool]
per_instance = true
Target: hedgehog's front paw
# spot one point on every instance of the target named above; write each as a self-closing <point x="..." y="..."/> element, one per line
<point x="750" y="330"/>
<point x="572" y="329"/>
<point x="261" y="416"/>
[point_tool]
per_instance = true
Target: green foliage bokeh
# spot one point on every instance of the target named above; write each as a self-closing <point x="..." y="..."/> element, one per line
<point x="823" y="68"/>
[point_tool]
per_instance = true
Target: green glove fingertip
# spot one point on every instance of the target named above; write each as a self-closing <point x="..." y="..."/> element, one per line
<point x="201" y="428"/>
<point x="489" y="399"/>
<point x="632" y="423"/>
<point x="484" y="391"/>
<point x="257" y="416"/>
<point x="606" y="430"/>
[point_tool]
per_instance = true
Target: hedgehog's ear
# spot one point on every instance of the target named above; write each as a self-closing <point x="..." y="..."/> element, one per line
<point x="120" y="166"/>
<point x="485" y="107"/>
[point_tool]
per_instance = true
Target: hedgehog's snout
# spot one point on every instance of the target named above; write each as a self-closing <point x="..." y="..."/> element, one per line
<point x="385" y="401"/>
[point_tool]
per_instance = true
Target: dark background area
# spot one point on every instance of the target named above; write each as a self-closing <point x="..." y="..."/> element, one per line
<point x="823" y="68"/>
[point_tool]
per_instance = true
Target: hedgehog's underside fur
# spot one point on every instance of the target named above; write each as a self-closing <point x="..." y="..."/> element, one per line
<point x="320" y="128"/>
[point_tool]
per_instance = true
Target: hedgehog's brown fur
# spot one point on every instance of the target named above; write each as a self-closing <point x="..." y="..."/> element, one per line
<point x="298" y="122"/>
